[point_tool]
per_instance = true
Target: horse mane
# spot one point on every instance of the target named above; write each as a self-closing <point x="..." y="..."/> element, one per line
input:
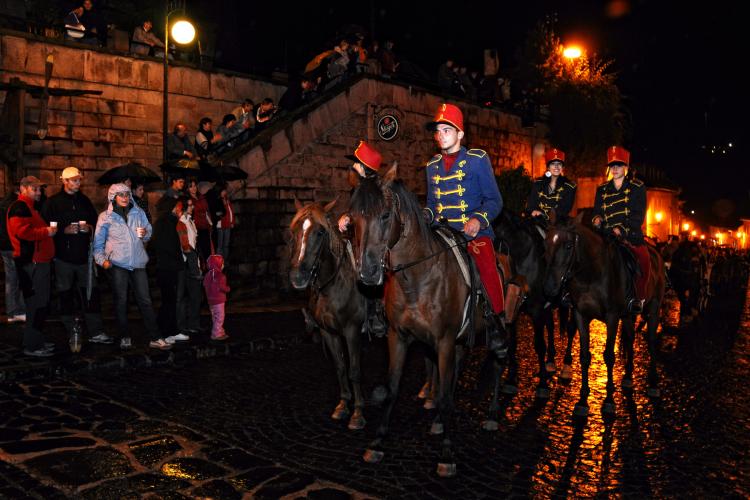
<point x="409" y="205"/>
<point x="368" y="198"/>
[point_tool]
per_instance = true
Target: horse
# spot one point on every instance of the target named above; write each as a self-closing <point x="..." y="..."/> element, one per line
<point x="320" y="262"/>
<point x="525" y="245"/>
<point x="425" y="297"/>
<point x="593" y="270"/>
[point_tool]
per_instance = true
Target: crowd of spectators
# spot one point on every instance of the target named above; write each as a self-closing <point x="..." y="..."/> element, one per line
<point x="62" y="239"/>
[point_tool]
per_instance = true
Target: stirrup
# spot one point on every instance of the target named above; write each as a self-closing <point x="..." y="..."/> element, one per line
<point x="635" y="306"/>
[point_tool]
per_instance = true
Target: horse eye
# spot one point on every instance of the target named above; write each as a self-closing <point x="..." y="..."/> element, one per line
<point x="568" y="245"/>
<point x="385" y="216"/>
<point x="321" y="231"/>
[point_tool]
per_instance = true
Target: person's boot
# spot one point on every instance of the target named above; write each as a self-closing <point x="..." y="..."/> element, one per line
<point x="565" y="300"/>
<point x="497" y="339"/>
<point x="376" y="318"/>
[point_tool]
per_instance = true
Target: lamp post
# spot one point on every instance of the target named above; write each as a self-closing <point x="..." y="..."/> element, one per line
<point x="182" y="32"/>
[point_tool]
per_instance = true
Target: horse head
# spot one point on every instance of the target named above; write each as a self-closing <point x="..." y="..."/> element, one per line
<point x="560" y="253"/>
<point x="311" y="232"/>
<point x="377" y="224"/>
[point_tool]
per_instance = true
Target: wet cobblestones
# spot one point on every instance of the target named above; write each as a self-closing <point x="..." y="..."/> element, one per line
<point x="259" y="423"/>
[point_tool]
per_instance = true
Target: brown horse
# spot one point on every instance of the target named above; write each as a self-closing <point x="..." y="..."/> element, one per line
<point x="321" y="262"/>
<point x="425" y="295"/>
<point x="593" y="270"/>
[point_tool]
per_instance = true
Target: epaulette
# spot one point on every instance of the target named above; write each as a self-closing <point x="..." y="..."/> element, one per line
<point x="435" y="158"/>
<point x="637" y="182"/>
<point x="572" y="185"/>
<point x="539" y="179"/>
<point x="477" y="152"/>
<point x="602" y="185"/>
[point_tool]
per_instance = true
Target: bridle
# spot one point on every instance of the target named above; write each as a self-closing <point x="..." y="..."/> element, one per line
<point x="316" y="265"/>
<point x="569" y="267"/>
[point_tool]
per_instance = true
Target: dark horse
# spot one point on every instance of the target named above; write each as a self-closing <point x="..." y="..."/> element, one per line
<point x="593" y="270"/>
<point x="525" y="245"/>
<point x="425" y="296"/>
<point x="321" y="262"/>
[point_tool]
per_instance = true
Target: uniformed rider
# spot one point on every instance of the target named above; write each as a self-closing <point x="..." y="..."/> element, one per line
<point x="462" y="191"/>
<point x="619" y="209"/>
<point x="552" y="191"/>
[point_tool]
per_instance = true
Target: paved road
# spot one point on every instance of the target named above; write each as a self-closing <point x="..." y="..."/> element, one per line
<point x="259" y="423"/>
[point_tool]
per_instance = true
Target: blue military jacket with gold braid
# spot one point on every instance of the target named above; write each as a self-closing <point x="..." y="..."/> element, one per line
<point x="624" y="208"/>
<point x="561" y="198"/>
<point x="467" y="190"/>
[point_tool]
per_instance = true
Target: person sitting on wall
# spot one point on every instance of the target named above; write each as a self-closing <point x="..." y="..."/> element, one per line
<point x="178" y="144"/>
<point x="145" y="42"/>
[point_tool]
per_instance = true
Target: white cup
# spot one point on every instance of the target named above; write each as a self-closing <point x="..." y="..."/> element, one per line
<point x="53" y="223"/>
<point x="140" y="232"/>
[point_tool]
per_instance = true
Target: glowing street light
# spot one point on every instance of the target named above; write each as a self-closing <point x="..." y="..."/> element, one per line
<point x="572" y="52"/>
<point x="182" y="32"/>
<point x="659" y="216"/>
<point x="693" y="233"/>
<point x="686" y="226"/>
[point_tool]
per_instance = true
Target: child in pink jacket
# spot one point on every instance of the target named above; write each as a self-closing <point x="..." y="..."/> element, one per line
<point x="215" y="283"/>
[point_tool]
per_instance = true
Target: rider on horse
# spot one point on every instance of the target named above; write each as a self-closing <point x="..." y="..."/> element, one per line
<point x="366" y="163"/>
<point x="461" y="191"/>
<point x="552" y="191"/>
<point x="619" y="209"/>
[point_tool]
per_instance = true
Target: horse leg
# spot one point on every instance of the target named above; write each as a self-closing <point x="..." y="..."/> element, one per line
<point x="567" y="370"/>
<point x="427" y="387"/>
<point x="447" y="367"/>
<point x="510" y="386"/>
<point x="608" y="408"/>
<point x="333" y="343"/>
<point x="540" y="320"/>
<point x="627" y="345"/>
<point x="491" y="424"/>
<point x="397" y="347"/>
<point x="550" y="365"/>
<point x="353" y="339"/>
<point x="431" y="383"/>
<point x="653" y="323"/>
<point x="582" y="407"/>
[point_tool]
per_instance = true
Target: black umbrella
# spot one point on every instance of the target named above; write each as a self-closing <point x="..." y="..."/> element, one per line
<point x="132" y="171"/>
<point x="186" y="167"/>
<point x="221" y="173"/>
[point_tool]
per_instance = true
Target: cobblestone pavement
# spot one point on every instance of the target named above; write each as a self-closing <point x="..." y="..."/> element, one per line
<point x="259" y="424"/>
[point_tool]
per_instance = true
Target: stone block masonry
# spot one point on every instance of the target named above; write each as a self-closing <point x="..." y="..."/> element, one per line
<point x="122" y="124"/>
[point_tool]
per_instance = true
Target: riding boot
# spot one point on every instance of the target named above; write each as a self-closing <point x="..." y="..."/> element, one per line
<point x="565" y="300"/>
<point x="376" y="318"/>
<point x="497" y="338"/>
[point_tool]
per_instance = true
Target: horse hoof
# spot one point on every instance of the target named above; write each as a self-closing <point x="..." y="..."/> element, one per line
<point x="490" y="425"/>
<point x="509" y="389"/>
<point x="542" y="393"/>
<point x="424" y="391"/>
<point x="654" y="392"/>
<point x="356" y="423"/>
<point x="373" y="456"/>
<point x="608" y="408"/>
<point x="567" y="372"/>
<point x="436" y="428"/>
<point x="627" y="384"/>
<point x="581" y="411"/>
<point x="429" y="404"/>
<point x="379" y="394"/>
<point x="550" y="367"/>
<point x="446" y="470"/>
<point x="341" y="412"/>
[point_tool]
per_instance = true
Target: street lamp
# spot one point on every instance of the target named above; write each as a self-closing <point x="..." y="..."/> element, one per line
<point x="659" y="216"/>
<point x="572" y="52"/>
<point x="182" y="32"/>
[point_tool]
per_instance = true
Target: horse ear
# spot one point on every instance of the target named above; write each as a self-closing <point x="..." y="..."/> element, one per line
<point x="330" y="205"/>
<point x="297" y="204"/>
<point x="392" y="172"/>
<point x="552" y="215"/>
<point x="579" y="218"/>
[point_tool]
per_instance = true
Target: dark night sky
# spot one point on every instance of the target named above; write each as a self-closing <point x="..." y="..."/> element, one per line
<point x="677" y="67"/>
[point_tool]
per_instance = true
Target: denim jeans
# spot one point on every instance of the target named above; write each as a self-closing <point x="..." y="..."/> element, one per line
<point x="37" y="303"/>
<point x="71" y="279"/>
<point x="14" y="303"/>
<point x="217" y="317"/>
<point x="222" y="235"/>
<point x="138" y="280"/>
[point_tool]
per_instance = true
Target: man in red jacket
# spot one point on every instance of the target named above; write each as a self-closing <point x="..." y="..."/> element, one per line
<point x="33" y="250"/>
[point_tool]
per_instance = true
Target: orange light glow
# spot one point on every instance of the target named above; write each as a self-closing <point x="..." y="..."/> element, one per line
<point x="686" y="226"/>
<point x="703" y="236"/>
<point x="659" y="216"/>
<point x="693" y="232"/>
<point x="572" y="52"/>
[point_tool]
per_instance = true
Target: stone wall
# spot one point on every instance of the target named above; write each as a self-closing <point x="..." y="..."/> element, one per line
<point x="306" y="157"/>
<point x="122" y="124"/>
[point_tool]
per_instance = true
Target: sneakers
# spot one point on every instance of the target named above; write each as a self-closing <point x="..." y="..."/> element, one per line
<point x="39" y="353"/>
<point x="159" y="344"/>
<point x="221" y="336"/>
<point x="125" y="343"/>
<point x="102" y="338"/>
<point x="18" y="318"/>
<point x="180" y="337"/>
